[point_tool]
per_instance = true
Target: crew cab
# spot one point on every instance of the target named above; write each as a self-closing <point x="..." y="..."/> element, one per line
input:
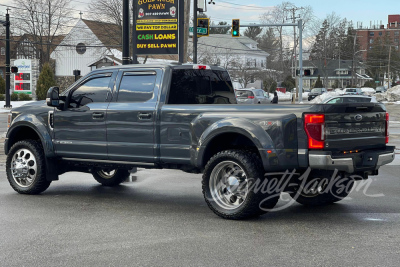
<point x="186" y="117"/>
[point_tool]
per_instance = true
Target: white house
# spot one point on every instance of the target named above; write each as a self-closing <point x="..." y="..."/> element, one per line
<point x="240" y="55"/>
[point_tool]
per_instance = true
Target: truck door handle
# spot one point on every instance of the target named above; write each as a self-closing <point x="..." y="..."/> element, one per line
<point x="98" y="115"/>
<point x="144" y="116"/>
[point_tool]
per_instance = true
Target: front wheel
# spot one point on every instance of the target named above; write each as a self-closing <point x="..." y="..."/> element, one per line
<point x="229" y="189"/>
<point x="322" y="188"/>
<point x="26" y="168"/>
<point x="110" y="177"/>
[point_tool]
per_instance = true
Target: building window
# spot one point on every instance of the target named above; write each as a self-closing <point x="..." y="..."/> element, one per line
<point x="371" y="41"/>
<point x="3" y="51"/>
<point x="380" y="33"/>
<point x="81" y="48"/>
<point x="396" y="40"/>
<point x="396" y="33"/>
<point x="372" y="34"/>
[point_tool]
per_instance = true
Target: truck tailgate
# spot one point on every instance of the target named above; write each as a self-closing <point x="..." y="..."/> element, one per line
<point x="356" y="126"/>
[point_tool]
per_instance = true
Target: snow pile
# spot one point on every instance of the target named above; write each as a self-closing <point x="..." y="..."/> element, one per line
<point x="14" y="104"/>
<point x="323" y="97"/>
<point x="368" y="90"/>
<point x="339" y="91"/>
<point x="391" y="95"/>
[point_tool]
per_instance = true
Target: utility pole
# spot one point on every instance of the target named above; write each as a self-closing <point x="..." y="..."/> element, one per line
<point x="134" y="37"/>
<point x="195" y="31"/>
<point x="293" y="10"/>
<point x="390" y="51"/>
<point x="186" y="31"/>
<point x="125" y="32"/>
<point x="6" y="23"/>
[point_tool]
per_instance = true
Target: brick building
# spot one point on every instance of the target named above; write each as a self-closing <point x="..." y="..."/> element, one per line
<point x="366" y="37"/>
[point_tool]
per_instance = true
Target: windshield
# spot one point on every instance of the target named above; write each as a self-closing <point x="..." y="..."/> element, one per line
<point x="351" y="90"/>
<point x="316" y="90"/>
<point x="244" y="94"/>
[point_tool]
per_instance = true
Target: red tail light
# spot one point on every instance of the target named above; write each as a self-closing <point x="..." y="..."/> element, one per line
<point x="251" y="97"/>
<point x="314" y="125"/>
<point x="387" y="128"/>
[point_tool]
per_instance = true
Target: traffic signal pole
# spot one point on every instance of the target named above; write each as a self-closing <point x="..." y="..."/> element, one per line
<point x="125" y="33"/>
<point x="195" y="31"/>
<point x="8" y="72"/>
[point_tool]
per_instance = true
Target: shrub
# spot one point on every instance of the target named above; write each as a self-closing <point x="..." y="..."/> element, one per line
<point x="318" y="83"/>
<point x="24" y="97"/>
<point x="2" y="97"/>
<point x="45" y="81"/>
<point x="2" y="85"/>
<point x="14" y="97"/>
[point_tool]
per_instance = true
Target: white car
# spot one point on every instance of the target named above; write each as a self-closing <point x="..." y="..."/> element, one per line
<point x="349" y="99"/>
<point x="251" y="96"/>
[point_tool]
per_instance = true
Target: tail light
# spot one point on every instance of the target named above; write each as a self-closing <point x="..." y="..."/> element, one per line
<point x="250" y="97"/>
<point x="314" y="125"/>
<point x="201" y="67"/>
<point x="387" y="128"/>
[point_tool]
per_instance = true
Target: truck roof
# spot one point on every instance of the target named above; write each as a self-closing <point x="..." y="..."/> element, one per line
<point x="174" y="65"/>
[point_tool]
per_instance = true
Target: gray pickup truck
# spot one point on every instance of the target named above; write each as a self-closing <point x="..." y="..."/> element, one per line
<point x="186" y="117"/>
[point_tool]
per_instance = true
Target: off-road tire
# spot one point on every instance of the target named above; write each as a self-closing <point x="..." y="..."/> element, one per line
<point x="40" y="183"/>
<point x="256" y="203"/>
<point x="335" y="192"/>
<point x="117" y="178"/>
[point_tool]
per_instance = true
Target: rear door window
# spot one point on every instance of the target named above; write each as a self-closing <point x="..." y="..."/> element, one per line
<point x="190" y="86"/>
<point x="136" y="87"/>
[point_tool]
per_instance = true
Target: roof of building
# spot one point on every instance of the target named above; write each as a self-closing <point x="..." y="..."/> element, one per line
<point x="109" y="34"/>
<point x="226" y="41"/>
<point x="331" y="67"/>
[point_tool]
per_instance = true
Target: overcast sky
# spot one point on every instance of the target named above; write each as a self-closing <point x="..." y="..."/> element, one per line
<point x="249" y="11"/>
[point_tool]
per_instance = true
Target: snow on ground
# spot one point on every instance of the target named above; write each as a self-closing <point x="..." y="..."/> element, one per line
<point x="14" y="104"/>
<point x="391" y="95"/>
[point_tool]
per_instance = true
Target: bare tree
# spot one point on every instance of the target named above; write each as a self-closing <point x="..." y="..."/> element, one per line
<point x="42" y="21"/>
<point x="109" y="11"/>
<point x="282" y="14"/>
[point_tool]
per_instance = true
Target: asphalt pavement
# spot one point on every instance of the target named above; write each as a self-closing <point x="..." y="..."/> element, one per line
<point x="161" y="219"/>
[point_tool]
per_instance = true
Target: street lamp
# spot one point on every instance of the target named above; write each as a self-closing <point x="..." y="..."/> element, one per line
<point x="353" y="69"/>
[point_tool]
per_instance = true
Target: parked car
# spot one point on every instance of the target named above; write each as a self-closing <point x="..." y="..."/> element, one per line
<point x="316" y="92"/>
<point x="185" y="117"/>
<point x="380" y="89"/>
<point x="251" y="96"/>
<point x="349" y="99"/>
<point x="353" y="91"/>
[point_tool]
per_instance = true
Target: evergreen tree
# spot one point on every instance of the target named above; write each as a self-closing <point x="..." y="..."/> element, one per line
<point x="2" y="85"/>
<point x="289" y="83"/>
<point x="253" y="32"/>
<point x="219" y="30"/>
<point x="318" y="83"/>
<point x="272" y="88"/>
<point x="45" y="81"/>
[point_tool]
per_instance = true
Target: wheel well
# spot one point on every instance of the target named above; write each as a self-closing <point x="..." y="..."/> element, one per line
<point x="22" y="133"/>
<point x="228" y="141"/>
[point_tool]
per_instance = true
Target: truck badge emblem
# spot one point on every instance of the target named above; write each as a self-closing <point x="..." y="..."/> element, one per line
<point x="358" y="117"/>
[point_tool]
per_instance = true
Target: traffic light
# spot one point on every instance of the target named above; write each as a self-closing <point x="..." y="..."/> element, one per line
<point x="235" y="27"/>
<point x="14" y="69"/>
<point x="307" y="72"/>
<point x="203" y="23"/>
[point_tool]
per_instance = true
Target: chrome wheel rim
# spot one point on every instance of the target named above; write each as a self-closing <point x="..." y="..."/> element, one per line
<point x="228" y="185"/>
<point x="106" y="174"/>
<point x="24" y="167"/>
<point x="317" y="188"/>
